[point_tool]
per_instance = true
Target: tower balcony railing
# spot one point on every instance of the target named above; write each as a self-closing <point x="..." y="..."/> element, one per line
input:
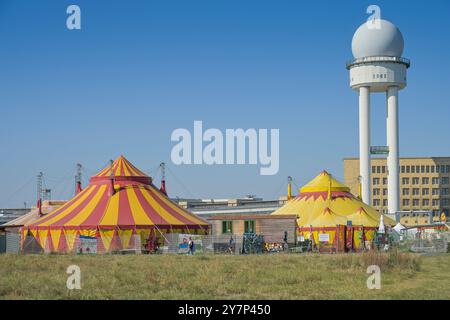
<point x="367" y="60"/>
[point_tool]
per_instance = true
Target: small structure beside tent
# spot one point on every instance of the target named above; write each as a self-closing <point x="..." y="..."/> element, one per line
<point x="10" y="231"/>
<point x="273" y="228"/>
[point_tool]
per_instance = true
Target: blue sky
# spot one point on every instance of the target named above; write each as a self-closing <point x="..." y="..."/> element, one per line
<point x="140" y="69"/>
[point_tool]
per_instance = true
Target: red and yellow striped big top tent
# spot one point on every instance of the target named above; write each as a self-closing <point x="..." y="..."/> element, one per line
<point x="118" y="204"/>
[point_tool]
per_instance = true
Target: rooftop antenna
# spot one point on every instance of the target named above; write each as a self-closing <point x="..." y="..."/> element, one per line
<point x="162" y="165"/>
<point x="78" y="187"/>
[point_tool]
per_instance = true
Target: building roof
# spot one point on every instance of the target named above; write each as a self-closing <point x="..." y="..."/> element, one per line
<point x="251" y="217"/>
<point x="401" y="158"/>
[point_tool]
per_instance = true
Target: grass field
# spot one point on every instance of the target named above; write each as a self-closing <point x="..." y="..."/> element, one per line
<point x="403" y="276"/>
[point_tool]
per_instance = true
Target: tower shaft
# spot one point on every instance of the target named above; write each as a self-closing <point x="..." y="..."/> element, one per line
<point x="392" y="142"/>
<point x="364" y="143"/>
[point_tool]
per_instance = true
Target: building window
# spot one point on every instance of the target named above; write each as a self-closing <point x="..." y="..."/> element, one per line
<point x="438" y="167"/>
<point x="408" y="169"/>
<point x="385" y="180"/>
<point x="427" y="169"/>
<point x="444" y="180"/>
<point x="444" y="192"/>
<point x="413" y="169"/>
<point x="383" y="169"/>
<point x="385" y="192"/>
<point x="378" y="169"/>
<point x="435" y="180"/>
<point x="385" y="203"/>
<point x="403" y="169"/>
<point x="405" y="191"/>
<point x="405" y="181"/>
<point x="405" y="202"/>
<point x="376" y="202"/>
<point x="376" y="181"/>
<point x="227" y="226"/>
<point x="373" y="169"/>
<point x="417" y="169"/>
<point x="376" y="192"/>
<point x="425" y="191"/>
<point x="422" y="169"/>
<point x="415" y="191"/>
<point x="425" y="180"/>
<point x="425" y="202"/>
<point x="432" y="169"/>
<point x="415" y="180"/>
<point x="444" y="202"/>
<point x="435" y="192"/>
<point x="249" y="226"/>
<point x="435" y="202"/>
<point x="447" y="169"/>
<point x="415" y="202"/>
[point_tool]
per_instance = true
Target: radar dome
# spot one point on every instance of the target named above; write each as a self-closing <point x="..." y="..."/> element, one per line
<point x="369" y="41"/>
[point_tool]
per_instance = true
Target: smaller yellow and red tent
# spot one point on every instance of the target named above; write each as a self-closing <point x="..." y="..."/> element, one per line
<point x="328" y="213"/>
<point x="118" y="204"/>
<point x="323" y="192"/>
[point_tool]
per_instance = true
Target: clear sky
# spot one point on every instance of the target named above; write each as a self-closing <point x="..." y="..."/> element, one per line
<point x="140" y="69"/>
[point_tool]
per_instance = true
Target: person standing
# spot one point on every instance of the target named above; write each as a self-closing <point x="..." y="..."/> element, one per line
<point x="191" y="246"/>
<point x="285" y="241"/>
<point x="231" y="245"/>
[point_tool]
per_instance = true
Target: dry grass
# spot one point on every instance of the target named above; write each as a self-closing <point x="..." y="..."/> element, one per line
<point x="404" y="276"/>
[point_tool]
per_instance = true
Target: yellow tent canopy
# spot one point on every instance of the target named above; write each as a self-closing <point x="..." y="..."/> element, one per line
<point x="324" y="191"/>
<point x="329" y="219"/>
<point x="362" y="218"/>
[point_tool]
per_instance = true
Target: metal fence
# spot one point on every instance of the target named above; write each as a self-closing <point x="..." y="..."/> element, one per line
<point x="168" y="243"/>
<point x="217" y="244"/>
<point x="178" y="243"/>
<point x="426" y="242"/>
<point x="429" y="246"/>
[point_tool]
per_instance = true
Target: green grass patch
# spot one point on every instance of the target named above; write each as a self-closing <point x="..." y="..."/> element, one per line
<point x="277" y="276"/>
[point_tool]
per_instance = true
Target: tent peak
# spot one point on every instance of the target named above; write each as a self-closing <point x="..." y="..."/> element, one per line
<point x="322" y="183"/>
<point x="122" y="169"/>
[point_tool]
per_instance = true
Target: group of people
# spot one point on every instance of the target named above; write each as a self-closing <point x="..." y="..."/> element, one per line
<point x="265" y="246"/>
